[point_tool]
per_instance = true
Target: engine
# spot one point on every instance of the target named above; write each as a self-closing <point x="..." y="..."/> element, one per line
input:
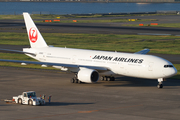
<point x="88" y="75"/>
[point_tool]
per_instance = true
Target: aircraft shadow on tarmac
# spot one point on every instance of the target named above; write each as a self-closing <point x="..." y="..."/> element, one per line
<point x="138" y="82"/>
<point x="64" y="104"/>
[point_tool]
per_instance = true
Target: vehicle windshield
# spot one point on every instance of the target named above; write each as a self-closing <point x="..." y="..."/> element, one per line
<point x="33" y="94"/>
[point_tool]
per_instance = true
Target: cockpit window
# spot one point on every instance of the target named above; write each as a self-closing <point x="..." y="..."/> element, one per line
<point x="167" y="66"/>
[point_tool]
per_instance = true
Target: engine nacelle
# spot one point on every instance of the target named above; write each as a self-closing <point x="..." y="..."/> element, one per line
<point x="88" y="75"/>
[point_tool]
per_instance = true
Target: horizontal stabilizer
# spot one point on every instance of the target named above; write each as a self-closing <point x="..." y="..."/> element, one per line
<point x="17" y="51"/>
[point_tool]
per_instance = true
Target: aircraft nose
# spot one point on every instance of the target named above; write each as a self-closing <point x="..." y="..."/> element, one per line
<point x="174" y="71"/>
<point x="170" y="72"/>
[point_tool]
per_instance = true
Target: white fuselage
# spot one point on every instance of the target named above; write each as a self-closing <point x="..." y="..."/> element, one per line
<point x="89" y="64"/>
<point x="127" y="64"/>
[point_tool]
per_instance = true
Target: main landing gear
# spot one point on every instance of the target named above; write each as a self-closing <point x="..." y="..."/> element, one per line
<point x="107" y="78"/>
<point x="75" y="80"/>
<point x="160" y="80"/>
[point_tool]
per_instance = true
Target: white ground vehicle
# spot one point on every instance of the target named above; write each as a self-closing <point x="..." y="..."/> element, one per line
<point x="29" y="98"/>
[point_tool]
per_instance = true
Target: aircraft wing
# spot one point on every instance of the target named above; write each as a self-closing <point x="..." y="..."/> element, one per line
<point x="57" y="64"/>
<point x="145" y="51"/>
<point x="48" y="63"/>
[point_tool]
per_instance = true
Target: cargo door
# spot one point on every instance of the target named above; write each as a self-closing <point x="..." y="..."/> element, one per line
<point x="42" y="56"/>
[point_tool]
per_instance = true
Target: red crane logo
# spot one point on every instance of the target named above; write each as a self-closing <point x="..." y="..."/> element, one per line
<point x="33" y="35"/>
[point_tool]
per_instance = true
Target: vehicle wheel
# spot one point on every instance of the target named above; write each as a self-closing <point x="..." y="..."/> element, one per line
<point x="30" y="102"/>
<point x="160" y="86"/>
<point x="20" y="101"/>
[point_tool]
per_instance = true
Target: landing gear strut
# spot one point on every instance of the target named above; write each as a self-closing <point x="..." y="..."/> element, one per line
<point x="107" y="78"/>
<point x="75" y="80"/>
<point x="160" y="80"/>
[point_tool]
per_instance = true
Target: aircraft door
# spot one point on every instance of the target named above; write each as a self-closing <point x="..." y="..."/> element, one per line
<point x="42" y="56"/>
<point x="74" y="59"/>
<point x="121" y="65"/>
<point x="25" y="98"/>
<point x="122" y="69"/>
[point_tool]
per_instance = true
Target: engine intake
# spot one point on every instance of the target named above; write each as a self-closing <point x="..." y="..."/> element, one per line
<point x="88" y="75"/>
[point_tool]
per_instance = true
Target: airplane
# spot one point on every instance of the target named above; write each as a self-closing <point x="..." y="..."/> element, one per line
<point x="88" y="65"/>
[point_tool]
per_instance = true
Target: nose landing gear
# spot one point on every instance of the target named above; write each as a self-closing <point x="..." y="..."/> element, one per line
<point x="160" y="85"/>
<point x="160" y="80"/>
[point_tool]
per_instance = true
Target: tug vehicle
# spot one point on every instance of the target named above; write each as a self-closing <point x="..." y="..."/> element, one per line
<point x="28" y="98"/>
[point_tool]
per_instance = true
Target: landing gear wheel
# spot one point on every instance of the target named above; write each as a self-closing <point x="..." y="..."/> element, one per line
<point x="160" y="80"/>
<point x="76" y="81"/>
<point x="30" y="102"/>
<point x="20" y="101"/>
<point x="102" y="78"/>
<point x="113" y="79"/>
<point x="160" y="86"/>
<point x="105" y="78"/>
<point x="79" y="82"/>
<point x="108" y="78"/>
<point x="72" y="80"/>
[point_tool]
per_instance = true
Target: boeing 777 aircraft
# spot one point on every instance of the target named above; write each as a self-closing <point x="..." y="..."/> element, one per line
<point x="88" y="65"/>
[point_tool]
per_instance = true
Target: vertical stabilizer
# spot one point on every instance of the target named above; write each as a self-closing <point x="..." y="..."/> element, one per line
<point x="35" y="38"/>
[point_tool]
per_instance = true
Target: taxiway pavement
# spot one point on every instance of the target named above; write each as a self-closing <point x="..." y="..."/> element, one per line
<point x="123" y="99"/>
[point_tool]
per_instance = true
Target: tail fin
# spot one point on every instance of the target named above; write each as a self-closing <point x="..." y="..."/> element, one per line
<point x="35" y="38"/>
